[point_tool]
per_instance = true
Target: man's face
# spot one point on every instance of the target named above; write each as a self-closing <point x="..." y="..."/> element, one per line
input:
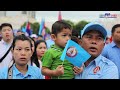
<point x="7" y="33"/>
<point x="93" y="42"/>
<point x="116" y="35"/>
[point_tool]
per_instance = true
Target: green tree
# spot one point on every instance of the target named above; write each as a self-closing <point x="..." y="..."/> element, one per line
<point x="47" y="30"/>
<point x="70" y="22"/>
<point x="35" y="27"/>
<point x="79" y="26"/>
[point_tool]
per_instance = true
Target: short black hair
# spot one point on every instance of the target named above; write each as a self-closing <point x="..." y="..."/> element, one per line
<point x="19" y="31"/>
<point x="59" y="25"/>
<point x="40" y="36"/>
<point x="4" y="25"/>
<point x="23" y="38"/>
<point x="114" y="27"/>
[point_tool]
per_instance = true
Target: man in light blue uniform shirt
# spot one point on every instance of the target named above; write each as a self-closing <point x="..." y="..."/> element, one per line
<point x="97" y="66"/>
<point x="112" y="50"/>
<point x="100" y="68"/>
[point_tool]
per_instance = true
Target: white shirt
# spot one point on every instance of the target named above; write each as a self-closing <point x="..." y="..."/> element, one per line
<point x="3" y="49"/>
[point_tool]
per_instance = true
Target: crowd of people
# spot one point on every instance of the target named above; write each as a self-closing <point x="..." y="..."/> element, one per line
<point x="32" y="57"/>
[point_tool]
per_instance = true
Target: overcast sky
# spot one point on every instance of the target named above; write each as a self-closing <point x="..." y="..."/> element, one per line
<point x="74" y="16"/>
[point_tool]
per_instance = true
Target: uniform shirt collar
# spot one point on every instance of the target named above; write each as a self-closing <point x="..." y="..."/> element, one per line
<point x="18" y="72"/>
<point x="113" y="44"/>
<point x="97" y="60"/>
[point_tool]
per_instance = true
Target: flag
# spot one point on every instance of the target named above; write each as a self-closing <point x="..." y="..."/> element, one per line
<point x="59" y="16"/>
<point x="23" y="29"/>
<point x="43" y="31"/>
<point x="110" y="39"/>
<point x="28" y="28"/>
<point x="75" y="54"/>
<point x="42" y="28"/>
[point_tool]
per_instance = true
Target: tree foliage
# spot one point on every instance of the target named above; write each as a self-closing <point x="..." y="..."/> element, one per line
<point x="80" y="25"/>
<point x="70" y="22"/>
<point x="35" y="27"/>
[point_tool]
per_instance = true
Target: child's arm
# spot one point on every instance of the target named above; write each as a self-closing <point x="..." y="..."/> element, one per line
<point x="57" y="72"/>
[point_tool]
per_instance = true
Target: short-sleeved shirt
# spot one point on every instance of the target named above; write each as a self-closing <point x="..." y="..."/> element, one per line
<point x="32" y="73"/>
<point x="51" y="60"/>
<point x="112" y="52"/>
<point x="3" y="49"/>
<point x="100" y="68"/>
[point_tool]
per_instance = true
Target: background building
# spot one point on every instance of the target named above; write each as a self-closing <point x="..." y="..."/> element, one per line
<point x="17" y="18"/>
<point x="30" y="14"/>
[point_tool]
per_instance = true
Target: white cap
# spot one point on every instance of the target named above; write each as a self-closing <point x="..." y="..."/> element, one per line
<point x="34" y="36"/>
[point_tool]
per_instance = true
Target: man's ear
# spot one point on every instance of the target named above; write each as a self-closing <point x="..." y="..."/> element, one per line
<point x="80" y="41"/>
<point x="0" y="32"/>
<point x="53" y="36"/>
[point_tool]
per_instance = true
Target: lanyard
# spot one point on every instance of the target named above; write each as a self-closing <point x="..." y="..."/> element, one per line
<point x="10" y="74"/>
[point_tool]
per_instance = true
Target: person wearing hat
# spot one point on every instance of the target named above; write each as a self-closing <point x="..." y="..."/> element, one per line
<point x="34" y="36"/>
<point x="93" y="38"/>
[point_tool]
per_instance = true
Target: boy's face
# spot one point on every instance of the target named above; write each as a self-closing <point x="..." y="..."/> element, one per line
<point x="62" y="37"/>
<point x="93" y="42"/>
<point x="22" y="52"/>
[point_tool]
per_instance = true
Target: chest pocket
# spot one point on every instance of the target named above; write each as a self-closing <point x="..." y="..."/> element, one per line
<point x="94" y="74"/>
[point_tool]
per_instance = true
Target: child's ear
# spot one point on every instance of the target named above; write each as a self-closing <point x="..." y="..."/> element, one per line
<point x="53" y="36"/>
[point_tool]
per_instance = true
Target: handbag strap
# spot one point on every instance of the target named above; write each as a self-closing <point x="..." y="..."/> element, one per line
<point x="5" y="54"/>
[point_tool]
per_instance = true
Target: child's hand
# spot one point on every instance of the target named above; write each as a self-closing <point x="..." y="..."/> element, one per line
<point x="77" y="70"/>
<point x="59" y="70"/>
